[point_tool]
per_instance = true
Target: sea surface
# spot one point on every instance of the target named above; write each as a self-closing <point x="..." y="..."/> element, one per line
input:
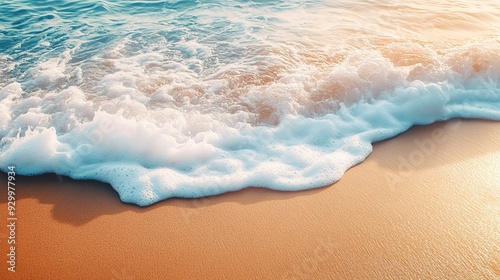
<point x="195" y="98"/>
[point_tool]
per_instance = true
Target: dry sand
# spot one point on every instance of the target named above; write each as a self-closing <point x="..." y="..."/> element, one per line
<point x="425" y="204"/>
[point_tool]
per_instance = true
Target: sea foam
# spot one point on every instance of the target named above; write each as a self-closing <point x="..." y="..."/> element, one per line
<point x="192" y="103"/>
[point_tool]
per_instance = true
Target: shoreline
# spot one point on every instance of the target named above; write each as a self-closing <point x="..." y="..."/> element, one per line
<point x="423" y="204"/>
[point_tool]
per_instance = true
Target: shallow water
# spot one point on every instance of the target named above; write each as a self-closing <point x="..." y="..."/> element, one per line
<point x="195" y="98"/>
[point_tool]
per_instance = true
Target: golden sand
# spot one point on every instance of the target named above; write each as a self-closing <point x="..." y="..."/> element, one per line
<point x="425" y="205"/>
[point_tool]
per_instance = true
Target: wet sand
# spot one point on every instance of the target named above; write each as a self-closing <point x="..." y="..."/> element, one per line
<point x="425" y="204"/>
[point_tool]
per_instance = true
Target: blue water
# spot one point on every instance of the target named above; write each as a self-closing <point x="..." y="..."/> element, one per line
<point x="33" y="31"/>
<point x="193" y="98"/>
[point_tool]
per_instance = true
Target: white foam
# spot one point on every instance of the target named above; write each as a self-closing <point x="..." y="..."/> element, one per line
<point x="197" y="117"/>
<point x="145" y="163"/>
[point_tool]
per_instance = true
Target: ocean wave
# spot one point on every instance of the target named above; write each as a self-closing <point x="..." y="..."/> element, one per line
<point x="187" y="99"/>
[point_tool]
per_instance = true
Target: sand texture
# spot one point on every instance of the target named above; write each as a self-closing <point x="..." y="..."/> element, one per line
<point x="425" y="204"/>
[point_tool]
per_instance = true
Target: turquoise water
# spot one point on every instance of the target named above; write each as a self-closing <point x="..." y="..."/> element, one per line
<point x="194" y="98"/>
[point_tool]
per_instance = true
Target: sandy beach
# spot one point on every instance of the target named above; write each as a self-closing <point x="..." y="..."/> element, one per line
<point x="424" y="205"/>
